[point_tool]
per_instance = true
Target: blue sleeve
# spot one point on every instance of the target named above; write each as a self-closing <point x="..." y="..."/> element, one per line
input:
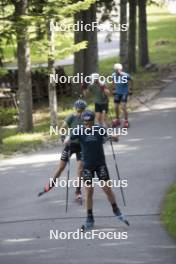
<point x="129" y="77"/>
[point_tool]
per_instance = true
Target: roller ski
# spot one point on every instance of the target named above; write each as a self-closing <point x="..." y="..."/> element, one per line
<point x="45" y="190"/>
<point x="89" y="224"/>
<point x="126" y="124"/>
<point x="122" y="218"/>
<point x="116" y="122"/>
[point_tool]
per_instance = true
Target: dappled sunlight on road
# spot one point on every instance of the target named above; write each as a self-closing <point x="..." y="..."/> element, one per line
<point x="32" y="159"/>
<point x="16" y="240"/>
<point x="160" y="104"/>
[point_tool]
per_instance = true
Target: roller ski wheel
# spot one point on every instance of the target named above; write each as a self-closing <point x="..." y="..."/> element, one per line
<point x="122" y="218"/>
<point x="116" y="122"/>
<point x="78" y="198"/>
<point x="89" y="224"/>
<point x="126" y="124"/>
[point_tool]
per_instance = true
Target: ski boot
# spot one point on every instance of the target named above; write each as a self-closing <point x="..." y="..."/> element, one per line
<point x="122" y="218"/>
<point x="116" y="122"/>
<point x="126" y="124"/>
<point x="89" y="224"/>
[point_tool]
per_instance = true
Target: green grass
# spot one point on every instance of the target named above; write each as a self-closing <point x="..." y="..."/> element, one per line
<point x="161" y="27"/>
<point x="24" y="142"/>
<point x="168" y="215"/>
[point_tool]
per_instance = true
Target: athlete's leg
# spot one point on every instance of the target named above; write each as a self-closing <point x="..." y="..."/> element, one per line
<point x="111" y="197"/>
<point x="117" y="110"/>
<point x="63" y="162"/>
<point x="61" y="166"/>
<point x="104" y="119"/>
<point x="59" y="169"/>
<point x="79" y="173"/>
<point x="117" y="100"/>
<point x="98" y="117"/>
<point x="124" y="109"/>
<point x="109" y="193"/>
<point x="89" y="205"/>
<point x="104" y="115"/>
<point x="103" y="175"/>
<point x="89" y="190"/>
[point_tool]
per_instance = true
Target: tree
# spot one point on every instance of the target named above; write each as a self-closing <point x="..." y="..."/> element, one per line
<point x="132" y="36"/>
<point x="78" y="37"/>
<point x="35" y="14"/>
<point x="143" y="38"/>
<point x="51" y="85"/>
<point x="24" y="66"/>
<point x="91" y="52"/>
<point x="51" y="12"/>
<point x="86" y="60"/>
<point x="123" y="34"/>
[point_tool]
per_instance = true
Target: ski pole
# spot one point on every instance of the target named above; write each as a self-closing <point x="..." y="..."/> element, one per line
<point x="68" y="177"/>
<point x="116" y="166"/>
<point x="140" y="101"/>
<point x="47" y="187"/>
<point x="118" y="174"/>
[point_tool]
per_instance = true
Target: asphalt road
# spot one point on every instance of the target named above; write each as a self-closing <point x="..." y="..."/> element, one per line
<point x="146" y="158"/>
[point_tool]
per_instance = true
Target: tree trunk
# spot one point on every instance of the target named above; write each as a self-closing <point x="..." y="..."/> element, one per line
<point x="24" y="68"/>
<point x="132" y="37"/>
<point x="86" y="61"/>
<point x="1" y="137"/>
<point x="123" y="34"/>
<point x="51" y="85"/>
<point x="91" y="53"/>
<point x="143" y="38"/>
<point x="78" y="37"/>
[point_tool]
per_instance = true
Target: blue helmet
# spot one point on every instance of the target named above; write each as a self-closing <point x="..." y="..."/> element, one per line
<point x="88" y="115"/>
<point x="80" y="104"/>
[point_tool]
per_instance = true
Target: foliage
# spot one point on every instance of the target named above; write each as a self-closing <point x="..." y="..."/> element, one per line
<point x="168" y="215"/>
<point x="8" y="116"/>
<point x="39" y="13"/>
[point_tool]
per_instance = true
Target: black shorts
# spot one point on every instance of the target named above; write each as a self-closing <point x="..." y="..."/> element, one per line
<point x="71" y="149"/>
<point x="101" y="172"/>
<point x="99" y="108"/>
<point x="120" y="98"/>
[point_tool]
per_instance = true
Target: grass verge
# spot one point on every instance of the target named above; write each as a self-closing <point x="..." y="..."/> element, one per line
<point x="168" y="215"/>
<point x="161" y="33"/>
